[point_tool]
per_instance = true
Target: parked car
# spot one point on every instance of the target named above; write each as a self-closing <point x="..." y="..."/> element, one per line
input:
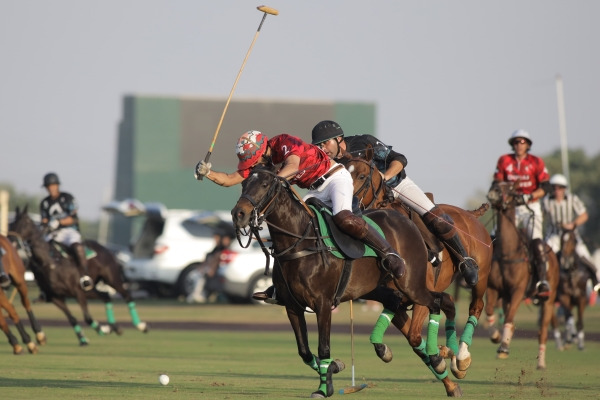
<point x="244" y="274"/>
<point x="170" y="245"/>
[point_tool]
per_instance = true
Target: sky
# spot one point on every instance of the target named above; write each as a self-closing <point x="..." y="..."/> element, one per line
<point x="451" y="80"/>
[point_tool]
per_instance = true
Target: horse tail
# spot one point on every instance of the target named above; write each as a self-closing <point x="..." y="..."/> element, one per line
<point x="478" y="212"/>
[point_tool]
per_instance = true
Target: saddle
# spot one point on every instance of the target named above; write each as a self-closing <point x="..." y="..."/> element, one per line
<point x="338" y="242"/>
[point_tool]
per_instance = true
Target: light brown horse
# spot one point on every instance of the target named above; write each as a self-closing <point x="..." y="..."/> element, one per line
<point x="373" y="193"/>
<point x="511" y="279"/>
<point x="14" y="268"/>
<point x="572" y="292"/>
<point x="307" y="274"/>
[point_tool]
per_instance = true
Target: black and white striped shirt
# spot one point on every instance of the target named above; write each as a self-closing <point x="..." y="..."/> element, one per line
<point x="566" y="211"/>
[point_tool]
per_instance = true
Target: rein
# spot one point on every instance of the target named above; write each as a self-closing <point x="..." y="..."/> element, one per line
<point x="368" y="184"/>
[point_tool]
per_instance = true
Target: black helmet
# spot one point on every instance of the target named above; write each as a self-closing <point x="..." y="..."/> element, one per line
<point x="50" y="178"/>
<point x="326" y="130"/>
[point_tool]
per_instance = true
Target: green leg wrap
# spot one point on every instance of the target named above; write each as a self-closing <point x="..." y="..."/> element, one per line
<point x="314" y="363"/>
<point x="323" y="374"/>
<point x="432" y="331"/>
<point x="467" y="335"/>
<point x="451" y="340"/>
<point x="135" y="319"/>
<point x="420" y="351"/>
<point x="383" y="322"/>
<point x="110" y="313"/>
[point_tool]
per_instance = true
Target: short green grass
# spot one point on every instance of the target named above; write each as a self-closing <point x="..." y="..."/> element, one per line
<point x="265" y="365"/>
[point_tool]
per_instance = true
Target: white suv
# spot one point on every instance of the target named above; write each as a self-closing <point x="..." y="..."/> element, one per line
<point x="169" y="246"/>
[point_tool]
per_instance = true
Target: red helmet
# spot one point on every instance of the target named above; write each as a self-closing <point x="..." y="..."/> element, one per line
<point x="250" y="148"/>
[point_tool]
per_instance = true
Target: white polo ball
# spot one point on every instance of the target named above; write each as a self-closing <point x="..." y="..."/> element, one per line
<point x="163" y="379"/>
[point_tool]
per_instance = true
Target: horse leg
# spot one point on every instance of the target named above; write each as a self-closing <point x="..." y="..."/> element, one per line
<point x="409" y="328"/>
<point x="491" y="299"/>
<point x="110" y="314"/>
<point x="327" y="366"/>
<point x="547" y="309"/>
<point x="510" y="305"/>
<point x="60" y="303"/>
<point x="12" y="313"/>
<point x="117" y="283"/>
<point x="556" y="330"/>
<point x="463" y="356"/>
<point x="21" y="287"/>
<point x="12" y="340"/>
<point x="580" y="309"/>
<point x="298" y="322"/>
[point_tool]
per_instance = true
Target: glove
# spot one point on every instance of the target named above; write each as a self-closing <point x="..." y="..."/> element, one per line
<point x="202" y="169"/>
<point x="522" y="199"/>
<point x="53" y="224"/>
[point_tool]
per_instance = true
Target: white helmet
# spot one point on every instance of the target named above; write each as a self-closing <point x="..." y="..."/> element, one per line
<point x="559" y="180"/>
<point x="520" y="133"/>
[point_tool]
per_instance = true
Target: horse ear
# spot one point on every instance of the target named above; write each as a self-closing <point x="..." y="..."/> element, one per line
<point x="369" y="152"/>
<point x="17" y="211"/>
<point x="25" y="208"/>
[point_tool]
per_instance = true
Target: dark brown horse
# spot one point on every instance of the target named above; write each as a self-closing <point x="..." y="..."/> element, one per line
<point x="373" y="193"/>
<point x="13" y="266"/>
<point x="307" y="274"/>
<point x="511" y="279"/>
<point x="57" y="276"/>
<point x="572" y="292"/>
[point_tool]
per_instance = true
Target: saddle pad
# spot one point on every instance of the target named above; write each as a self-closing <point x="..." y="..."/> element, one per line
<point x="61" y="249"/>
<point x="343" y="245"/>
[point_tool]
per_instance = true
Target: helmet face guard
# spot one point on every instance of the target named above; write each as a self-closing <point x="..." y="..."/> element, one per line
<point x="50" y="179"/>
<point x="250" y="148"/>
<point x="326" y="130"/>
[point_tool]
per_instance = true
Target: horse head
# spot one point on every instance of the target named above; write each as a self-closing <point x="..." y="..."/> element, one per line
<point x="502" y="195"/>
<point x="568" y="243"/>
<point x="259" y="191"/>
<point x="24" y="226"/>
<point x="369" y="187"/>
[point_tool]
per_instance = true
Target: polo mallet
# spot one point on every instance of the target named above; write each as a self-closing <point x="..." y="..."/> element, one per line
<point x="353" y="388"/>
<point x="266" y="10"/>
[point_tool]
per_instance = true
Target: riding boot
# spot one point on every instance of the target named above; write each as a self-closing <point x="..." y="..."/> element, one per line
<point x="4" y="278"/>
<point x="85" y="281"/>
<point x="541" y="264"/>
<point x="442" y="226"/>
<point x="268" y="296"/>
<point x="359" y="229"/>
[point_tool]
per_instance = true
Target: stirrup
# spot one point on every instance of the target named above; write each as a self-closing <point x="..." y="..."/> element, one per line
<point x="86" y="283"/>
<point x="545" y="293"/>
<point x="401" y="265"/>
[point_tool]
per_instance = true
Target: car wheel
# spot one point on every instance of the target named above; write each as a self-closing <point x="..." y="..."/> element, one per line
<point x="258" y="284"/>
<point x="187" y="282"/>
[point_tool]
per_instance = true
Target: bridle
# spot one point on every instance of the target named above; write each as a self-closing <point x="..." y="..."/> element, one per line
<point x="502" y="200"/>
<point x="368" y="185"/>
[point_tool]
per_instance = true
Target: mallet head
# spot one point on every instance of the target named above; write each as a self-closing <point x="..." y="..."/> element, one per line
<point x="268" y="10"/>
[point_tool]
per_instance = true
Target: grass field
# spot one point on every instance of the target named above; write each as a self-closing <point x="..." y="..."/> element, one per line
<point x="227" y="364"/>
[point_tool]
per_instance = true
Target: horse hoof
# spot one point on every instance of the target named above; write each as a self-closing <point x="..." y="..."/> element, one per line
<point x="463" y="365"/>
<point x="143" y="327"/>
<point x="383" y="352"/>
<point x="32" y="348"/>
<point x="502" y="355"/>
<point x="495" y="337"/>
<point x="17" y="349"/>
<point x="446" y="352"/>
<point x="457" y="392"/>
<point x="438" y="363"/>
<point x="337" y="366"/>
<point x="40" y="337"/>
<point x="317" y="395"/>
<point x="541" y="367"/>
<point x="83" y="343"/>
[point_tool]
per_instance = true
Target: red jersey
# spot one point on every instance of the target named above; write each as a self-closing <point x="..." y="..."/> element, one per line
<point x="314" y="162"/>
<point x="529" y="172"/>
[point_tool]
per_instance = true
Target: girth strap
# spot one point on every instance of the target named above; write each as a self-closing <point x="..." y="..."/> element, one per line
<point x="343" y="282"/>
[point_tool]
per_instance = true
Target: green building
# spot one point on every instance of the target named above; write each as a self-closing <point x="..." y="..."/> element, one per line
<point x="161" y="139"/>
